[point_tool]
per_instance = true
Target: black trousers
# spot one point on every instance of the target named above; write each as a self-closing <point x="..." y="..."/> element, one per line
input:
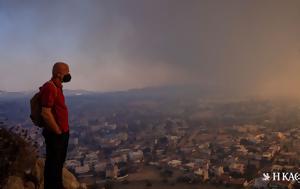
<point x="56" y="151"/>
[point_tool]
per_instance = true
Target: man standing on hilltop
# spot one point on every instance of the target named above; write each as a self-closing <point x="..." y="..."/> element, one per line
<point x="56" y="126"/>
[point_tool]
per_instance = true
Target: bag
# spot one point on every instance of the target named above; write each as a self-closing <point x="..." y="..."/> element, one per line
<point x="36" y="109"/>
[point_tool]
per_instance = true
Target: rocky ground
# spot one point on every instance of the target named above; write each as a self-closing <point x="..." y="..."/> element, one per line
<point x="21" y="168"/>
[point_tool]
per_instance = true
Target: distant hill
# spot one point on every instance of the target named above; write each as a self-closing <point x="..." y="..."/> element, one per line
<point x="167" y="90"/>
<point x="67" y="92"/>
<point x="15" y="105"/>
<point x="5" y="94"/>
<point x="187" y="90"/>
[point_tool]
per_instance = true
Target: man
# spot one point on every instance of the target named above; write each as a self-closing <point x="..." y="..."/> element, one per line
<point x="56" y="126"/>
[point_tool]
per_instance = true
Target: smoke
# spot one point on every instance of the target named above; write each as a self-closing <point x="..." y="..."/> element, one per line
<point x="246" y="47"/>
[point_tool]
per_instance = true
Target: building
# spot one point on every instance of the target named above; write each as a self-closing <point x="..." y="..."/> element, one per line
<point x="136" y="155"/>
<point x="237" y="168"/>
<point x="174" y="163"/>
<point x="111" y="171"/>
<point x="100" y="167"/>
<point x="82" y="169"/>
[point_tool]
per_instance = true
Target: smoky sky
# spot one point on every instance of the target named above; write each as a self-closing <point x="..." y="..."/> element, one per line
<point x="243" y="46"/>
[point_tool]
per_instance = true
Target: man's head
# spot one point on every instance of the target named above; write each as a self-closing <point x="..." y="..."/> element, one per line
<point x="61" y="71"/>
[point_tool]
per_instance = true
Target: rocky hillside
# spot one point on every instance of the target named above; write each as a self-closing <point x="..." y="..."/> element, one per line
<point x="21" y="168"/>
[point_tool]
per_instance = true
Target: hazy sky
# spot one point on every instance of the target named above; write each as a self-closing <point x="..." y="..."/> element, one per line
<point x="244" y="45"/>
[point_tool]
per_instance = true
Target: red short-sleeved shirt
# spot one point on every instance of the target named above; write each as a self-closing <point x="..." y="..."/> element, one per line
<point x="52" y="97"/>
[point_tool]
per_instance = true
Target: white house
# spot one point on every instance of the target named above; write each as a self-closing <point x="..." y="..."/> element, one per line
<point x="82" y="169"/>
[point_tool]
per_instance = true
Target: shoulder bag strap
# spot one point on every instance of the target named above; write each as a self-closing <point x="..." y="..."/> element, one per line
<point x="55" y="88"/>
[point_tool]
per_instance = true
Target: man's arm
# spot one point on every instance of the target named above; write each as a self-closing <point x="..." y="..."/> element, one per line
<point x="50" y="121"/>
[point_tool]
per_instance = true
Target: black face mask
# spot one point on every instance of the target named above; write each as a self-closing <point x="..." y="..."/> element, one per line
<point x="66" y="78"/>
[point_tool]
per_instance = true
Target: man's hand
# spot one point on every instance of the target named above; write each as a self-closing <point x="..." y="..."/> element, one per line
<point x="50" y="120"/>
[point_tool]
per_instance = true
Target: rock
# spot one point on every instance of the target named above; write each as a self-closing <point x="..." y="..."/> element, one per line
<point x="83" y="186"/>
<point x="41" y="185"/>
<point x="69" y="180"/>
<point x="29" y="185"/>
<point x="21" y="170"/>
<point x="38" y="170"/>
<point x="14" y="182"/>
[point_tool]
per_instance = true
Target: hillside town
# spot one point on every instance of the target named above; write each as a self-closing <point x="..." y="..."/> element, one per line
<point x="235" y="156"/>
